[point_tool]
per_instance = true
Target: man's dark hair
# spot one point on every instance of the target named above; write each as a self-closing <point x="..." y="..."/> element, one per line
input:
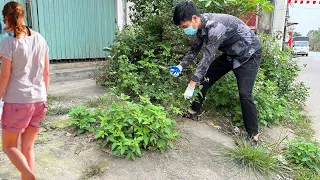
<point x="184" y="12"/>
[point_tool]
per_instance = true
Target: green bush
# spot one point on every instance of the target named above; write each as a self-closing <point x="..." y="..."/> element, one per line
<point x="305" y="153"/>
<point x="145" y="77"/>
<point x="153" y="40"/>
<point x="128" y="127"/>
<point x="85" y="119"/>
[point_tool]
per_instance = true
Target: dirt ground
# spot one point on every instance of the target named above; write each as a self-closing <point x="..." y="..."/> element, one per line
<point x="62" y="156"/>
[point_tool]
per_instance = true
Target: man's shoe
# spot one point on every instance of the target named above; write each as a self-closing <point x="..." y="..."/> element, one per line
<point x="253" y="140"/>
<point x="193" y="116"/>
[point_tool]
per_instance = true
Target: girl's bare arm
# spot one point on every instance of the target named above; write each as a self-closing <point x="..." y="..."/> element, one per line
<point x="4" y="75"/>
<point x="46" y="73"/>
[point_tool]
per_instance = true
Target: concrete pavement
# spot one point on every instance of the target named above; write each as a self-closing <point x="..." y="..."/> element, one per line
<point x="311" y="76"/>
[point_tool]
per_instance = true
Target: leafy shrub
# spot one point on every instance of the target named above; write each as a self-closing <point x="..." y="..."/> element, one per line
<point x="128" y="127"/>
<point x="153" y="40"/>
<point x="305" y="153"/>
<point x="239" y="8"/>
<point x="85" y="119"/>
<point x="144" y="77"/>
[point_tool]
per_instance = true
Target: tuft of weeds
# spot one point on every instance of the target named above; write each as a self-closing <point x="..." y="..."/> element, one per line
<point x="93" y="170"/>
<point x="259" y="160"/>
<point x="54" y="109"/>
<point x="58" y="110"/>
<point x="302" y="127"/>
<point x="52" y="98"/>
<point x="303" y="173"/>
<point x="99" y="102"/>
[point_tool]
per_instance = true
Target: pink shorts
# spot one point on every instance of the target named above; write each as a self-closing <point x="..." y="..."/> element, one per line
<point x="18" y="117"/>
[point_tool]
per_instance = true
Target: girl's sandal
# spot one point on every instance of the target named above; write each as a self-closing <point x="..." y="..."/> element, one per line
<point x="194" y="116"/>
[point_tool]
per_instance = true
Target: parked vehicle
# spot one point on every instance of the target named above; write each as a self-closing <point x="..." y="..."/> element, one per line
<point x="301" y="46"/>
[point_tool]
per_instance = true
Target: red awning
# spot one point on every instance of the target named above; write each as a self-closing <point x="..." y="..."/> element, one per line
<point x="304" y="1"/>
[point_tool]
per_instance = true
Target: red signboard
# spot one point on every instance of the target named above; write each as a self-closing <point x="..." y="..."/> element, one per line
<point x="251" y="20"/>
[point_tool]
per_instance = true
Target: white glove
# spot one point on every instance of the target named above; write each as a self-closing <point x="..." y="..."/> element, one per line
<point x="189" y="92"/>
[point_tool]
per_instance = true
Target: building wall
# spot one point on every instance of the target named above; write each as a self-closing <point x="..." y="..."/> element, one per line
<point x="279" y="20"/>
<point x="265" y="23"/>
<point x="74" y="29"/>
<point x="121" y="13"/>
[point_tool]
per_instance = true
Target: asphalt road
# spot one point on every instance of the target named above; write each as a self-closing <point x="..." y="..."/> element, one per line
<point x="311" y="76"/>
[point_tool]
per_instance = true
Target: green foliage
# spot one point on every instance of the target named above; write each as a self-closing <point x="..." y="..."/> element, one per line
<point x="153" y="40"/>
<point x="303" y="173"/>
<point x="239" y="8"/>
<point x="305" y="153"/>
<point x="257" y="160"/>
<point x="100" y="102"/>
<point x="85" y="119"/>
<point x="128" y="127"/>
<point x="314" y="39"/>
<point x="144" y="77"/>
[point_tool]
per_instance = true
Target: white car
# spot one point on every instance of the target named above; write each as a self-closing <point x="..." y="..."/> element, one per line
<point x="301" y="48"/>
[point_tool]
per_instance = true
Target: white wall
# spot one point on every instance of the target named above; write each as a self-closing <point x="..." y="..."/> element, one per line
<point x="121" y="13"/>
<point x="279" y="20"/>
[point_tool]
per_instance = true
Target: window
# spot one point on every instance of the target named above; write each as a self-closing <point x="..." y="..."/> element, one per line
<point x="301" y="43"/>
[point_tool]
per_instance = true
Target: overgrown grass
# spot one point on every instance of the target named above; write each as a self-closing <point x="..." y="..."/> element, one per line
<point x="57" y="111"/>
<point x="302" y="127"/>
<point x="270" y="160"/>
<point x="102" y="101"/>
<point x="302" y="173"/>
<point x="257" y="160"/>
<point x="52" y="98"/>
<point x="54" y="109"/>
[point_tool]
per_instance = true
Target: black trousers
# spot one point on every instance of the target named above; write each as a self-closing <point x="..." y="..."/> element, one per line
<point x="246" y="75"/>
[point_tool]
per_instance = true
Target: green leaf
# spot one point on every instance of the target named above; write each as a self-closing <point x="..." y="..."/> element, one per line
<point x="208" y="3"/>
<point x="114" y="145"/>
<point x="170" y="144"/>
<point x="138" y="151"/>
<point x="129" y="155"/>
<point x="161" y="143"/>
<point x="122" y="150"/>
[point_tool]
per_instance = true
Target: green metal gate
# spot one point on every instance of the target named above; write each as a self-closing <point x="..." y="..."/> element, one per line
<point x="74" y="29"/>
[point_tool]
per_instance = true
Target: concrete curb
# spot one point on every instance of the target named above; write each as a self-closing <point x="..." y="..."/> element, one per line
<point x="71" y="74"/>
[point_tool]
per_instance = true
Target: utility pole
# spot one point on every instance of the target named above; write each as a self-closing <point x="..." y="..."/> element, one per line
<point x="285" y="27"/>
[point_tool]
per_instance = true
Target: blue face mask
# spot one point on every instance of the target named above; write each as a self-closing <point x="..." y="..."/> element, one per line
<point x="190" y="31"/>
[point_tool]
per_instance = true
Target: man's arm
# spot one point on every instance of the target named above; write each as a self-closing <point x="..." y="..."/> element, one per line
<point x="191" y="55"/>
<point x="215" y="38"/>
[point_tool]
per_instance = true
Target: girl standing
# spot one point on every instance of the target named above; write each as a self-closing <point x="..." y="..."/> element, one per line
<point x="24" y="82"/>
